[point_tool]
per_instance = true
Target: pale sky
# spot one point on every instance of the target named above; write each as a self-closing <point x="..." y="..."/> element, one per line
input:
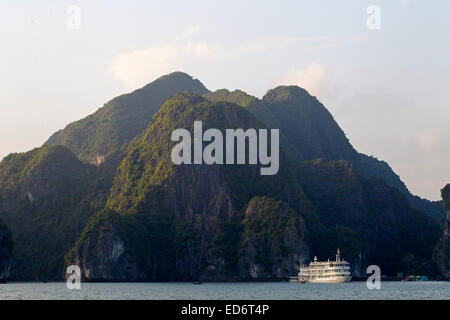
<point x="387" y="88"/>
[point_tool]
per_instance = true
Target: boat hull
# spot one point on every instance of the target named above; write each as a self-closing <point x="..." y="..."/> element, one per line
<point x="331" y="280"/>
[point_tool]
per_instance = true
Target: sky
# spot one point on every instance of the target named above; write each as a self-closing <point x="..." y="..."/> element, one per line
<point x="383" y="71"/>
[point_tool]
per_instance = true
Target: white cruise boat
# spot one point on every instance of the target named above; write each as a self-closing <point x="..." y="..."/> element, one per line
<point x="326" y="272"/>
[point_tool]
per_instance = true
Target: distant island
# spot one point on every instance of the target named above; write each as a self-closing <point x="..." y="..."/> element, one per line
<point x="103" y="194"/>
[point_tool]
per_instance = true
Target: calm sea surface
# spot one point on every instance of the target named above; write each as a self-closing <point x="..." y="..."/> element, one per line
<point x="232" y="291"/>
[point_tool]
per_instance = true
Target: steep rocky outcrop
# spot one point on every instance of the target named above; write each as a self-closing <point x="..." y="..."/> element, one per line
<point x="442" y="251"/>
<point x="6" y="255"/>
<point x="135" y="216"/>
<point x="372" y="167"/>
<point x="309" y="126"/>
<point x="370" y="221"/>
<point x="208" y="217"/>
<point x="101" y="256"/>
<point x="273" y="243"/>
<point x="46" y="197"/>
<point x="203" y="202"/>
<point x="121" y="119"/>
<point x="309" y="131"/>
<point x="260" y="110"/>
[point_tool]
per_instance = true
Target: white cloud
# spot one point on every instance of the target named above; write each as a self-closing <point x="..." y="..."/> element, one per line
<point x="199" y="49"/>
<point x="428" y="140"/>
<point x="139" y="67"/>
<point x="310" y="78"/>
<point x="397" y="115"/>
<point x="190" y="31"/>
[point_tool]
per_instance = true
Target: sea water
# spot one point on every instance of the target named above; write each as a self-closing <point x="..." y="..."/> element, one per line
<point x="232" y="291"/>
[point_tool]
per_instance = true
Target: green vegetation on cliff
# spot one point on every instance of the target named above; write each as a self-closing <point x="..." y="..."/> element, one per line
<point x="137" y="216"/>
<point x="218" y="232"/>
<point x="308" y="131"/>
<point x="441" y="253"/>
<point x="445" y="192"/>
<point x="207" y="202"/>
<point x="6" y="255"/>
<point x="122" y="118"/>
<point x="383" y="225"/>
<point x="272" y="238"/>
<point x="148" y="161"/>
<point x="46" y="197"/>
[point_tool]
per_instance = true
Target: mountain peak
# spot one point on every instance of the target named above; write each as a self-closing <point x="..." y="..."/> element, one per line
<point x="122" y="118"/>
<point x="445" y="192"/>
<point x="283" y="93"/>
<point x="237" y="96"/>
<point x="177" y="76"/>
<point x="174" y="81"/>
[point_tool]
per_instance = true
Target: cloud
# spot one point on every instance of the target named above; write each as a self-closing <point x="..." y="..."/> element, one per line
<point x="138" y="67"/>
<point x="190" y="31"/>
<point x="428" y="140"/>
<point x="397" y="115"/>
<point x="310" y="78"/>
<point x="199" y="49"/>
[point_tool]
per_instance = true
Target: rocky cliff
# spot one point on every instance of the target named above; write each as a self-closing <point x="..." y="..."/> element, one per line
<point x="309" y="131"/>
<point x="136" y="216"/>
<point x="118" y="121"/>
<point x="202" y="205"/>
<point x="6" y="256"/>
<point x="273" y="243"/>
<point x="46" y="197"/>
<point x="442" y="251"/>
<point x="102" y="258"/>
<point x="370" y="221"/>
<point x="215" y="222"/>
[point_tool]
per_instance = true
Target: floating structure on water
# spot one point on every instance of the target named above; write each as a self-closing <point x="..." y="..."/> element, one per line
<point x="337" y="271"/>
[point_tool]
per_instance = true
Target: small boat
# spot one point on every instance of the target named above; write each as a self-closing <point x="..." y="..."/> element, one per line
<point x="294" y="279"/>
<point x="301" y="281"/>
<point x="197" y="282"/>
<point x="416" y="278"/>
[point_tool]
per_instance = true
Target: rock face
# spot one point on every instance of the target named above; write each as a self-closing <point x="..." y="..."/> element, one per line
<point x="272" y="240"/>
<point x="132" y="215"/>
<point x="101" y="257"/>
<point x="46" y="197"/>
<point x="121" y="119"/>
<point x="217" y="223"/>
<point x="6" y="257"/>
<point x="442" y="252"/>
<point x="201" y="204"/>
<point x="308" y="131"/>
<point x="370" y="221"/>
